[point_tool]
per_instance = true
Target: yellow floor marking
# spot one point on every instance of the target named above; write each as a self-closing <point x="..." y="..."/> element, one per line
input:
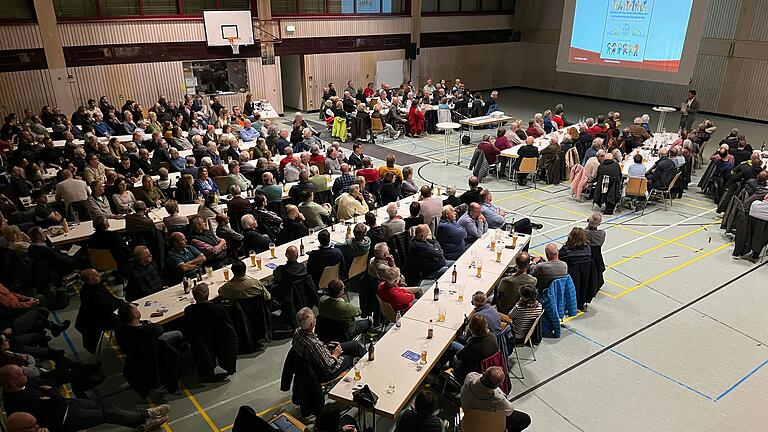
<point x="616" y="284"/>
<point x="200" y="409"/>
<point x="695" y="206"/>
<point x="656" y="237"/>
<point x="580" y="313"/>
<point x="649" y="250"/>
<point x="670" y="271"/>
<point x="555" y="206"/>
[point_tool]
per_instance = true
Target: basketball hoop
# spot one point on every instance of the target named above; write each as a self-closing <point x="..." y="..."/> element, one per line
<point x="233" y="41"/>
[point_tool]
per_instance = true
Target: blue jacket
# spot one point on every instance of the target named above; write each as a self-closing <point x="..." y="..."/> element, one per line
<point x="451" y="237"/>
<point x="249" y="134"/>
<point x="564" y="293"/>
<point x="102" y="129"/>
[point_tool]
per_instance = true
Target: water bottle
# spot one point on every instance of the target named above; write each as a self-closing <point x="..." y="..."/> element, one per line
<point x="397" y="319"/>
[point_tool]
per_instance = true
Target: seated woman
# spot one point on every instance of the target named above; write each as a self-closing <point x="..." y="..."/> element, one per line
<point x="480" y="345"/>
<point x="205" y="185"/>
<point x="408" y="187"/>
<point x="525" y="312"/>
<point x="391" y="132"/>
<point x="578" y="255"/>
<point x="123" y="199"/>
<point x="390" y="190"/>
<point x="185" y="190"/>
<point x="328" y="114"/>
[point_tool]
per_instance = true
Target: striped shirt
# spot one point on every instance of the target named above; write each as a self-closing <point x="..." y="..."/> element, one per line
<point x="523" y="318"/>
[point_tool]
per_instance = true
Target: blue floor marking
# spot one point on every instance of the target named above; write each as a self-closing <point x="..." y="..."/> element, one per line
<point x="71" y="345"/>
<point x="626" y="357"/>
<point x="739" y="382"/>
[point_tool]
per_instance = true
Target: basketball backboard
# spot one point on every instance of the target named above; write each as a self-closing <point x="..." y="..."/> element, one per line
<point x="221" y="25"/>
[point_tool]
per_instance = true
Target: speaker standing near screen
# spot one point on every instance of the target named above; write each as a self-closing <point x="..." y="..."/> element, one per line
<point x="689" y="108"/>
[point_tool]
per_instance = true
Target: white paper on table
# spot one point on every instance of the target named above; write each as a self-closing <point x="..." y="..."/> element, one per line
<point x="73" y="250"/>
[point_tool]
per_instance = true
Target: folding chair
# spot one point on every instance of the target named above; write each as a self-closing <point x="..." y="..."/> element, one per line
<point x="359" y="266"/>
<point x="484" y="421"/>
<point x="636" y="187"/>
<point x="329" y="274"/>
<point x="320" y="166"/>
<point x="665" y="193"/>
<point x="527" y="166"/>
<point x="102" y="261"/>
<point x="377" y="127"/>
<point x="223" y="183"/>
<point x="526" y="342"/>
<point x="387" y="310"/>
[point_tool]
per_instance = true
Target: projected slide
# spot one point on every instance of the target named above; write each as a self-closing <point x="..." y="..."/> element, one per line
<point x="635" y="34"/>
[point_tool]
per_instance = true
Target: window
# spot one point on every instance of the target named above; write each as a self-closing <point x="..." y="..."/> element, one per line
<point x="216" y="76"/>
<point x="17" y="10"/>
<point x="340" y="7"/>
<point x="467" y="6"/>
<point x="141" y="8"/>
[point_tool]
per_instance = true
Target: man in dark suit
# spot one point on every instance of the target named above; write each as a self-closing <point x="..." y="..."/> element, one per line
<point x="97" y="309"/>
<point x="211" y="335"/>
<point x="526" y="151"/>
<point x="689" y="109"/>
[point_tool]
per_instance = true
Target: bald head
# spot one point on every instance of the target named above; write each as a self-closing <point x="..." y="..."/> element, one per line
<point x="292" y="254"/>
<point x="21" y="422"/>
<point x="90" y="276"/>
<point x="422" y="232"/>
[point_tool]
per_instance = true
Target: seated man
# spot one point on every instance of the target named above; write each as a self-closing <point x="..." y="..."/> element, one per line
<point x="328" y="362"/>
<point x="184" y="258"/>
<point x="426" y="255"/>
<point x="45" y="216"/>
<point x="391" y="291"/>
<point x="315" y="215"/>
<point x="149" y="193"/>
<point x="214" y="248"/>
<point x="253" y="240"/>
<point x="482" y="393"/>
<point x="381" y="262"/>
<point x="481" y="344"/>
<point x="450" y="234"/>
<point x="662" y="172"/>
<point x="474" y="223"/>
<point x="637" y="169"/>
<point x="593" y="163"/>
<point x="286" y="275"/>
<point x="55" y="412"/>
<point x="212" y="336"/>
<point x="296" y="191"/>
<point x="508" y="290"/>
<point x="293" y="225"/>
<point x="97" y="309"/>
<point x="350" y="204"/>
<point x="358" y="245"/>
<point x="103" y="238"/>
<point x="145" y="278"/>
<point x="325" y="256"/>
<point x="493" y="214"/>
<point x="225" y="232"/>
<point x="492" y="316"/>
<point x="333" y="306"/>
<point x="242" y="286"/>
<point x="545" y="271"/>
<point x="473" y="193"/>
<point x="395" y="224"/>
<point x="430" y="206"/>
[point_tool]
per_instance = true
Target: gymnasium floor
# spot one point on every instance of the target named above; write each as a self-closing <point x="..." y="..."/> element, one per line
<point x="673" y="342"/>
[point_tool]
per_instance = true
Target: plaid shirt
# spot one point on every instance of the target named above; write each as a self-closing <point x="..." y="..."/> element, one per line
<point x="147" y="278"/>
<point x="342" y="184"/>
<point x="313" y="350"/>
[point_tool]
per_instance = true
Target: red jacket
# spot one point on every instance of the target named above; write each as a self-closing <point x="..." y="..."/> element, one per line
<point x="596" y="130"/>
<point x="490" y="150"/>
<point x="371" y="175"/>
<point x="559" y="121"/>
<point x="285" y="161"/>
<point x="399" y="298"/>
<point x="502" y="143"/>
<point x="532" y="131"/>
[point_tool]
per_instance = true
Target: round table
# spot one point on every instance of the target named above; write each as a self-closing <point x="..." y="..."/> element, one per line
<point x="662" y="110"/>
<point x="448" y="127"/>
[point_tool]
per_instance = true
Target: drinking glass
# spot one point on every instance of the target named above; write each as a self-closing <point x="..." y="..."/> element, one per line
<point x="209" y="272"/>
<point x="461" y="293"/>
<point x="272" y="250"/>
<point x="424" y="350"/>
<point x="252" y="254"/>
<point x="311" y="235"/>
<point x="390" y="387"/>
<point x="479" y="264"/>
<point x="226" y="273"/>
<point x="356" y="365"/>
<point x="441" y="314"/>
<point x="258" y="262"/>
<point x="473" y="258"/>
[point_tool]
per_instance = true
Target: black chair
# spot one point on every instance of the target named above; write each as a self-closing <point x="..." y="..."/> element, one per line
<point x="330" y="330"/>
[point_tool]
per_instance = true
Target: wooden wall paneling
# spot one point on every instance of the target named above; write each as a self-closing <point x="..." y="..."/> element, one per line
<point x="329" y="27"/>
<point x="129" y="32"/>
<point x="36" y="93"/>
<point x="339" y="68"/>
<point x="749" y="100"/>
<point x="433" y="24"/>
<point x="24" y="36"/>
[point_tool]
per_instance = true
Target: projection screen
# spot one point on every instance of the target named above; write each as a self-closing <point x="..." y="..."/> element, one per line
<point x="655" y="40"/>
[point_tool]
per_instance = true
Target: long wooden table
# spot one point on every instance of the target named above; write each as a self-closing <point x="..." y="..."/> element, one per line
<point x="482" y="121"/>
<point x="389" y="366"/>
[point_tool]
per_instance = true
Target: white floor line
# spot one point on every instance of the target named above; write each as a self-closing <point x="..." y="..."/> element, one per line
<point x="225" y="401"/>
<point x="657" y="231"/>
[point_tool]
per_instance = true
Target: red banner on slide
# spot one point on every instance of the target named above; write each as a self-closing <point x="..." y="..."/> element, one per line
<point x="580" y="56"/>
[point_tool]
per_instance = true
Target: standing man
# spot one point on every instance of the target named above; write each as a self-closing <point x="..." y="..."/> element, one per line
<point x="689" y="109"/>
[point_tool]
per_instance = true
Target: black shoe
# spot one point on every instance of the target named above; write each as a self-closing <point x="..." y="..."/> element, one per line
<point x="537" y="226"/>
<point x="58" y="329"/>
<point x="215" y="378"/>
